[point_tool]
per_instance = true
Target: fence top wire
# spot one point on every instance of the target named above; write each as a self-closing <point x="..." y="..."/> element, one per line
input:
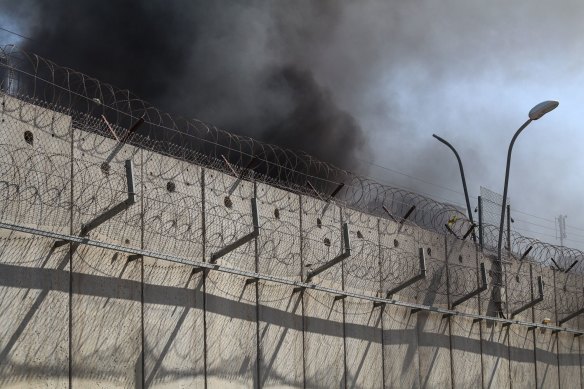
<point x="39" y="81"/>
<point x="42" y="82"/>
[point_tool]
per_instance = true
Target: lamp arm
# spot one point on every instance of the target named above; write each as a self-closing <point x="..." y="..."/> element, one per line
<point x="461" y="174"/>
<point x="505" y="187"/>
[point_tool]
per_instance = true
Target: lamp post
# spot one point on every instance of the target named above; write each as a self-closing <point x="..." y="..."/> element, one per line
<point x="463" y="181"/>
<point x="536" y="112"/>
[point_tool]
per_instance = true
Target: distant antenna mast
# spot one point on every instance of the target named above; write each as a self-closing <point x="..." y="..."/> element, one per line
<point x="561" y="232"/>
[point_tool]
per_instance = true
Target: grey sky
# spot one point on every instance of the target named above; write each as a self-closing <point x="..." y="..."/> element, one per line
<point x="466" y="70"/>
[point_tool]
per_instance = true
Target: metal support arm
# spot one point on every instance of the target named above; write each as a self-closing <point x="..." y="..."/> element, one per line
<point x="243" y="240"/>
<point x="100" y="219"/>
<point x="338" y="259"/>
<point x="530" y="304"/>
<point x="526" y="253"/>
<point x="571" y="266"/>
<point x="412" y="280"/>
<point x="124" y="139"/>
<point x="408" y="213"/>
<point x="238" y="175"/>
<point x="570" y="316"/>
<point x="470" y="230"/>
<point x="388" y="213"/>
<point x="475" y="292"/>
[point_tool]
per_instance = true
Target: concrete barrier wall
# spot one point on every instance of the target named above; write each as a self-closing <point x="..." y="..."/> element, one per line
<point x="74" y="315"/>
<point x="363" y="327"/>
<point x="521" y="339"/>
<point x="465" y="334"/>
<point x="173" y="307"/>
<point x="280" y="308"/>
<point x="231" y="302"/>
<point x="35" y="275"/>
<point x="569" y="347"/>
<point x="546" y="342"/>
<point x="100" y="356"/>
<point x="434" y="328"/>
<point x="494" y="335"/>
<point x="324" y="331"/>
<point x="399" y="262"/>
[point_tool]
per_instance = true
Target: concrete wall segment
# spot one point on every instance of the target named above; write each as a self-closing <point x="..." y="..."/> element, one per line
<point x="35" y="164"/>
<point x="465" y="334"/>
<point x="363" y="266"/>
<point x="321" y="240"/>
<point x="173" y="326"/>
<point x="279" y="306"/>
<point x="521" y="340"/>
<point x="324" y="344"/>
<point x="364" y="352"/>
<point x="34" y="312"/>
<point x="35" y="190"/>
<point x="399" y="262"/>
<point x="568" y="288"/>
<point x="400" y="348"/>
<point x="433" y="328"/>
<point x="231" y="303"/>
<point x="494" y="335"/>
<point x="546" y="342"/>
<point x="399" y="246"/>
<point x="324" y="349"/>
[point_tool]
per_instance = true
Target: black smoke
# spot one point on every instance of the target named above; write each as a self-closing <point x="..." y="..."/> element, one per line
<point x="243" y="66"/>
<point x="325" y="130"/>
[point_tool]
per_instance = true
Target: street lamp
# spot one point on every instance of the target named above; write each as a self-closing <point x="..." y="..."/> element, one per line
<point x="463" y="181"/>
<point x="536" y="112"/>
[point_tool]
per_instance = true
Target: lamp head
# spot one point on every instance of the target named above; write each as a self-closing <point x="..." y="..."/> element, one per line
<point x="542" y="108"/>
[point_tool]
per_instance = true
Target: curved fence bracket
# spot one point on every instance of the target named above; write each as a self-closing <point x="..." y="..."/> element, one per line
<point x="475" y="292"/>
<point x="414" y="279"/>
<point x="338" y="259"/>
<point x="243" y="240"/>
<point x="530" y="304"/>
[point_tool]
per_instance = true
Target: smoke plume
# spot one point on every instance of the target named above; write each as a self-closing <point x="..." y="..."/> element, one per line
<point x="243" y="67"/>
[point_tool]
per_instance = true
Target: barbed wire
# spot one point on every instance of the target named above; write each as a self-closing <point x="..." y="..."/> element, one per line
<point x="42" y="82"/>
<point x="88" y="118"/>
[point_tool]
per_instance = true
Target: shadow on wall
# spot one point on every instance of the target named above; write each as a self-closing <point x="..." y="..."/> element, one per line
<point x="34" y="299"/>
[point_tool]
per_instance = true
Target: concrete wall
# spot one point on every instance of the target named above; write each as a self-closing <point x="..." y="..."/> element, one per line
<point x="73" y="315"/>
<point x="465" y="334"/>
<point x="521" y="339"/>
<point x="280" y="309"/>
<point x="494" y="336"/>
<point x="398" y="245"/>
<point x="569" y="347"/>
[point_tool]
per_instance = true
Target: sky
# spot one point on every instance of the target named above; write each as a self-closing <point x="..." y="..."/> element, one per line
<point x="361" y="84"/>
